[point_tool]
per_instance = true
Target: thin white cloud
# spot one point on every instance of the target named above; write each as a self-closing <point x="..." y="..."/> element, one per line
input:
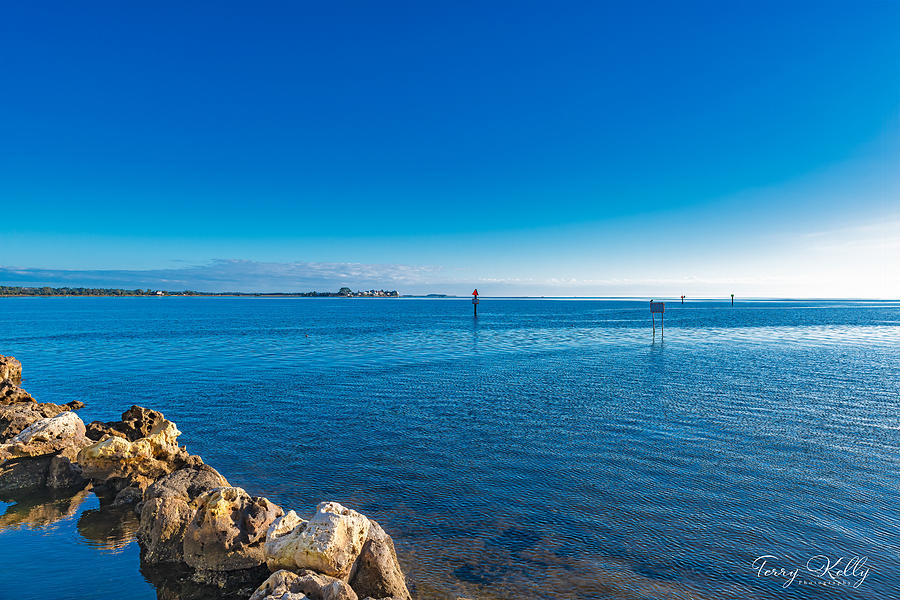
<point x="231" y="275"/>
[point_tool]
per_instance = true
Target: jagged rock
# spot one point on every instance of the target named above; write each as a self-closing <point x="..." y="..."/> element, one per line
<point x="285" y="585"/>
<point x="137" y="422"/>
<point x="329" y="543"/>
<point x="41" y="455"/>
<point x="16" y="416"/>
<point x="10" y="368"/>
<point x="63" y="474"/>
<point x="131" y="495"/>
<point x="377" y="572"/>
<point x="10" y="393"/>
<point x="168" y="506"/>
<point x="63" y="433"/>
<point x="161" y="533"/>
<point x="97" y="430"/>
<point x="341" y="543"/>
<point x="280" y="546"/>
<point x="238" y="584"/>
<point x="41" y="472"/>
<point x="278" y="587"/>
<point x="116" y="462"/>
<point x="228" y="530"/>
<point x="187" y="484"/>
<point x="20" y="474"/>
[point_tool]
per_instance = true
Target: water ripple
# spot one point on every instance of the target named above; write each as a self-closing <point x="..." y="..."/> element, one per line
<point x="548" y="449"/>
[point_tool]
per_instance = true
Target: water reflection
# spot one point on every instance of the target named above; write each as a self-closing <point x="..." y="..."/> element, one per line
<point x="109" y="528"/>
<point x="178" y="582"/>
<point x="510" y="456"/>
<point x="36" y="510"/>
<point x="102" y="527"/>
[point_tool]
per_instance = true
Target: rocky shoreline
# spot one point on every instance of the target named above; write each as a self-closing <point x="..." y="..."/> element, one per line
<point x="194" y="527"/>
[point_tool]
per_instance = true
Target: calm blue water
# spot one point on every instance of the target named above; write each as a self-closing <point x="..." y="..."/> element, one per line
<point x="546" y="450"/>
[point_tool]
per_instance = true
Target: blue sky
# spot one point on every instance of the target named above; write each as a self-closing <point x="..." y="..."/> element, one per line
<point x="523" y="147"/>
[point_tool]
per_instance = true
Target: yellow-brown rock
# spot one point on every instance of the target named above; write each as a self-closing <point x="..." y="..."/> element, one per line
<point x="116" y="462"/>
<point x="168" y="506"/>
<point x="63" y="434"/>
<point x="305" y="585"/>
<point x="228" y="530"/>
<point x="10" y="368"/>
<point x="329" y="543"/>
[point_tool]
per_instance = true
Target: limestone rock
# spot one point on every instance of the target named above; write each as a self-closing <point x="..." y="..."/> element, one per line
<point x="168" y="506"/>
<point x="10" y="368"/>
<point x="137" y="422"/>
<point x="41" y="455"/>
<point x="129" y="496"/>
<point x="377" y="572"/>
<point x="16" y="416"/>
<point x="228" y="530"/>
<point x="187" y="484"/>
<point x="48" y="471"/>
<point x="61" y="433"/>
<point x="21" y="474"/>
<point x="285" y="585"/>
<point x="278" y="587"/>
<point x="329" y="543"/>
<point x="282" y="541"/>
<point x="97" y="430"/>
<point x="10" y="393"/>
<point x="116" y="462"/>
<point x="229" y="585"/>
<point x="63" y="474"/>
<point x="161" y="532"/>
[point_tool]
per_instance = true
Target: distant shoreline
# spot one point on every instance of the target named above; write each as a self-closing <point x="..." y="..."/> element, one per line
<point x="47" y="291"/>
<point x="674" y="300"/>
<point x="224" y="295"/>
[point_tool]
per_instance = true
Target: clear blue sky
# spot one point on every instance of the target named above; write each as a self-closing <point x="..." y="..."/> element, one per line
<point x="534" y="148"/>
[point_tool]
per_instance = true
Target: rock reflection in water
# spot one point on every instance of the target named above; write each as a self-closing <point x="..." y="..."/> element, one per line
<point x="108" y="527"/>
<point x="178" y="582"/>
<point x="112" y="529"/>
<point x="103" y="527"/>
<point x="35" y="510"/>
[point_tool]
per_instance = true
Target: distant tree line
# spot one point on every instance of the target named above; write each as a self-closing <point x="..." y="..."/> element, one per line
<point x="6" y="290"/>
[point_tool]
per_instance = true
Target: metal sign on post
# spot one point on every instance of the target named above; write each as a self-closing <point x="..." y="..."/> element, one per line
<point x="475" y="302"/>
<point x="660" y="308"/>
